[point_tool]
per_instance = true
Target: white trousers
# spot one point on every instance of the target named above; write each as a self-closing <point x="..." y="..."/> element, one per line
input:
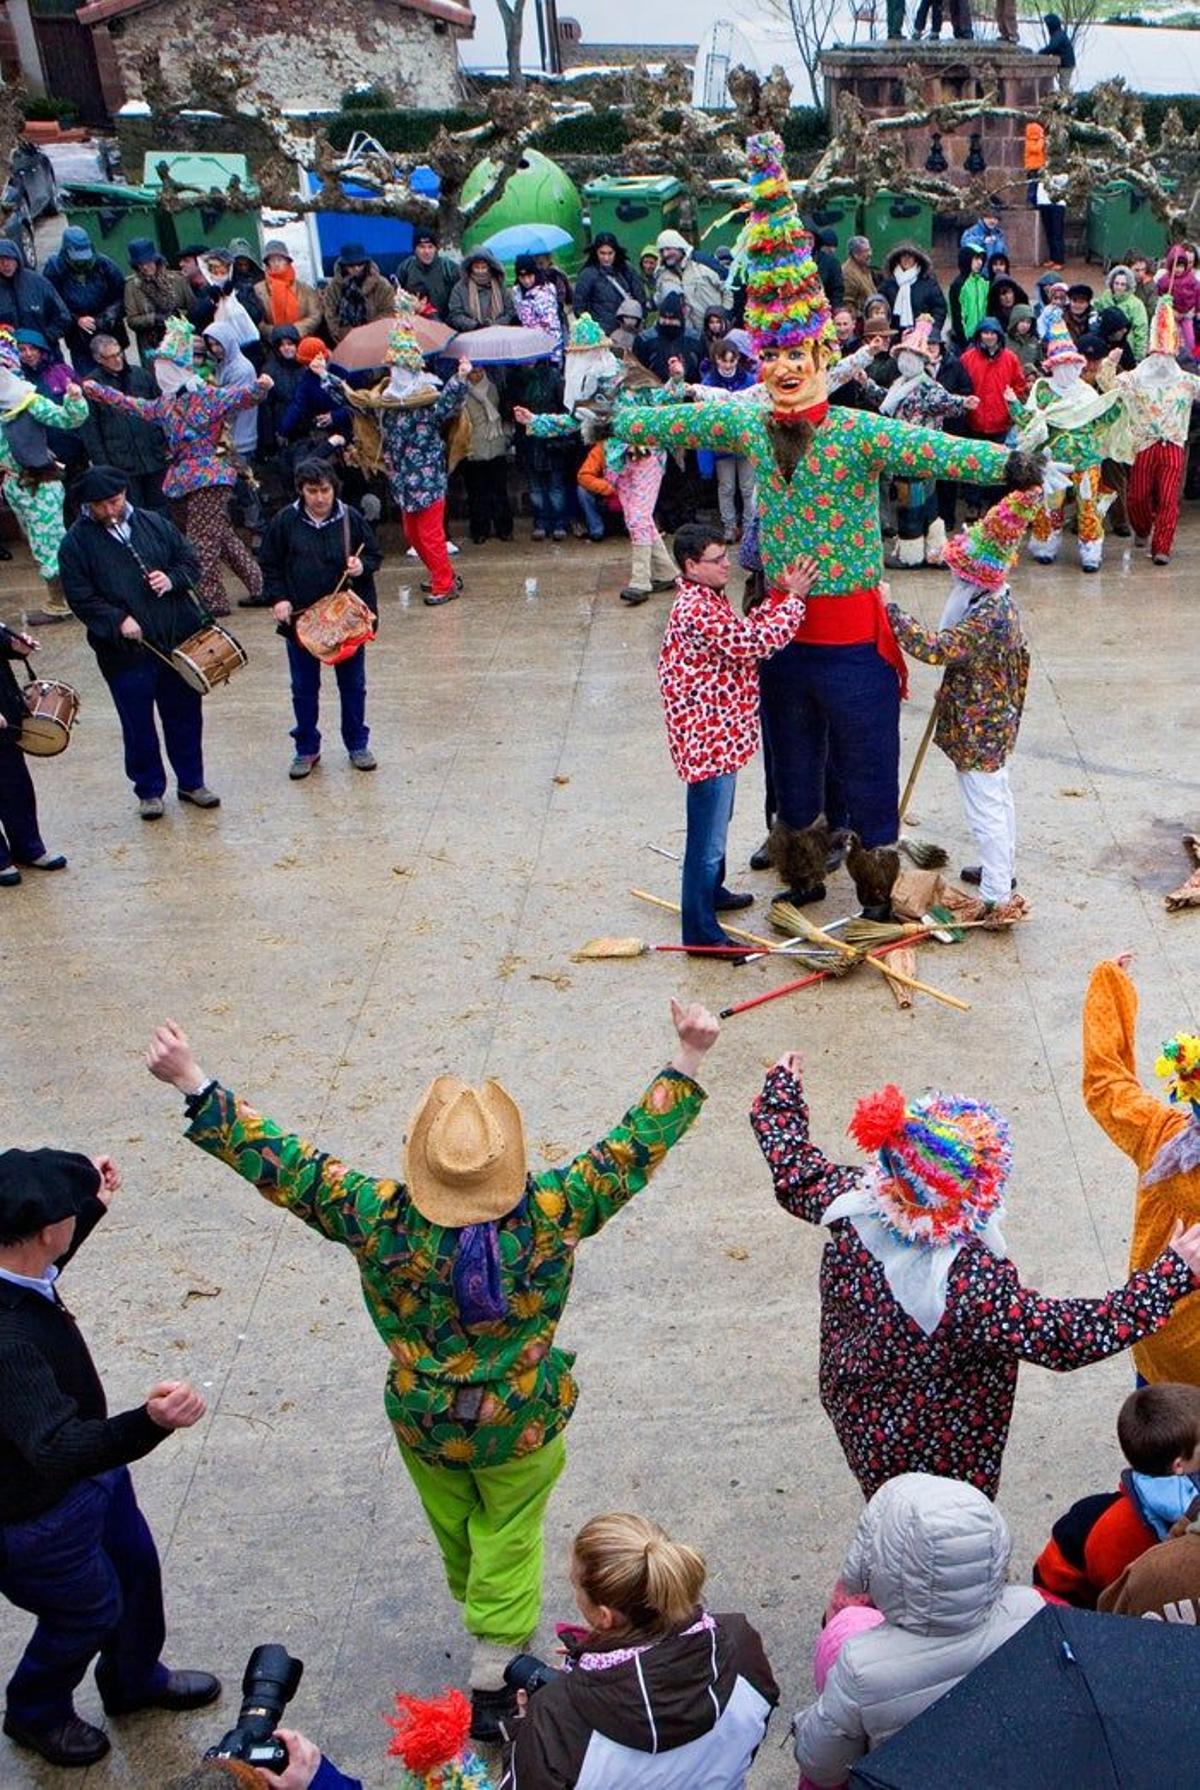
<point x="992" y="818"/>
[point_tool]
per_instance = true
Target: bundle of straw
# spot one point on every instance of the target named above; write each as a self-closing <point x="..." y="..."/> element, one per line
<point x="785" y="917"/>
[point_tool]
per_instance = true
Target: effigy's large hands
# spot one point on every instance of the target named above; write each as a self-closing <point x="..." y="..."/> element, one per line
<point x="1055" y="475"/>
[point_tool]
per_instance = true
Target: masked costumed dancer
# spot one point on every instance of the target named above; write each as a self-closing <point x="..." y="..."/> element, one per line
<point x="980" y="642"/>
<point x="466" y="1265"/>
<point x="200" y="471"/>
<point x="834" y="694"/>
<point x="30" y="476"/>
<point x="917" y="397"/>
<point x="594" y="384"/>
<point x="1082" y="427"/>
<point x="1158" y="398"/>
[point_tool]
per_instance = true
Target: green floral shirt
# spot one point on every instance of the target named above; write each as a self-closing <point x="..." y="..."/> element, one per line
<point x="508" y="1373"/>
<point x="831" y="508"/>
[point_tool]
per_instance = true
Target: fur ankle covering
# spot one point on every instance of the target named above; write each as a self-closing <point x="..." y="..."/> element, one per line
<point x="874" y="870"/>
<point x="800" y="854"/>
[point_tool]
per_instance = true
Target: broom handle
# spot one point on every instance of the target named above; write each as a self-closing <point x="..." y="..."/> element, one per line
<point x="948" y="1000"/>
<point x="672" y="907"/>
<point x="919" y="760"/>
<point x="773" y="994"/>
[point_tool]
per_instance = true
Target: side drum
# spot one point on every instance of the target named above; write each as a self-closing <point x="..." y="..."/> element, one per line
<point x="53" y="707"/>
<point x="208" y="658"/>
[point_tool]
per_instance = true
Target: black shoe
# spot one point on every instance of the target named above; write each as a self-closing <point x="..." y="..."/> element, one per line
<point x="801" y="897"/>
<point x="729" y="901"/>
<point x="183" y="1690"/>
<point x="489" y="1712"/>
<point x="73" y="1742"/>
<point x="973" y="874"/>
<point x="633" y="596"/>
<point x="10" y="877"/>
<point x="761" y="859"/>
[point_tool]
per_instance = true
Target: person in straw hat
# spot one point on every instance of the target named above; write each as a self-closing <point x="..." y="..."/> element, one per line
<point x="924" y="1320"/>
<point x="466" y="1265"/>
<point x="1158" y="397"/>
<point x="981" y="643"/>
<point x="833" y="696"/>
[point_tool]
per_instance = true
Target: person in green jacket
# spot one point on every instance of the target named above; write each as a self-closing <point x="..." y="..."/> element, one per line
<point x="1120" y="293"/>
<point x="30" y="477"/>
<point x="465" y="1265"/>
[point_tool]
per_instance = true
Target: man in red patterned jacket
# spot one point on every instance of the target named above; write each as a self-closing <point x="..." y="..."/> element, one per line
<point x="708" y="675"/>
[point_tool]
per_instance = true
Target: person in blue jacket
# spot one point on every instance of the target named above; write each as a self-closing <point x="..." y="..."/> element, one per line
<point x="93" y="290"/>
<point x="985" y="235"/>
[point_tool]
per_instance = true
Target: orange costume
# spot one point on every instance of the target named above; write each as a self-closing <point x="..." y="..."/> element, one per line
<point x="1139" y="1123"/>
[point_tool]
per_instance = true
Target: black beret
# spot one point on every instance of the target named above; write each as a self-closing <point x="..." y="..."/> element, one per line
<point x="99" y="483"/>
<point x="38" y="1187"/>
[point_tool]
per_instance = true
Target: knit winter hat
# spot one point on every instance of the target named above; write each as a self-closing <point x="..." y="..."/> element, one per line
<point x="430" y="1738"/>
<point x="1164" y="328"/>
<point x="1060" y="350"/>
<point x="10" y="360"/>
<point x="785" y="301"/>
<point x="143" y="250"/>
<point x="403" y="349"/>
<point x="985" y="552"/>
<point x="943" y="1161"/>
<point x="916" y="340"/>
<point x="311" y="349"/>
<point x="587" y="334"/>
<point x="176" y="344"/>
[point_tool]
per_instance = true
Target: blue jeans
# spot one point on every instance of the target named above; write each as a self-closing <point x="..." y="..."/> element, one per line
<point x="709" y="807"/>
<point x="137" y="692"/>
<point x="834" y="708"/>
<point x="548" y="499"/>
<point x="88" y="1570"/>
<point x="351" y="677"/>
<point x="593" y="515"/>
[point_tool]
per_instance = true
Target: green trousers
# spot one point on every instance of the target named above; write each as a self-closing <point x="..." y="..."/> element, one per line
<point x="488" y="1524"/>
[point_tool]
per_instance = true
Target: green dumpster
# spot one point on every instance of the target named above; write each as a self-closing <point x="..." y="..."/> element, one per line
<point x="891" y="218"/>
<point x="721" y="218"/>
<point x="113" y="215"/>
<point x="539" y="192"/>
<point x="635" y="208"/>
<point x="841" y="216"/>
<point x="214" y="223"/>
<point x="1120" y="223"/>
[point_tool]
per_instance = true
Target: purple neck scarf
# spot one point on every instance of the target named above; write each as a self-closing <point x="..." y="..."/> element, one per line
<point x="1178" y="1156"/>
<point x="478" y="1289"/>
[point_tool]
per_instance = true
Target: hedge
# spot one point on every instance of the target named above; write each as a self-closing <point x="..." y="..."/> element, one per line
<point x="1154" y="109"/>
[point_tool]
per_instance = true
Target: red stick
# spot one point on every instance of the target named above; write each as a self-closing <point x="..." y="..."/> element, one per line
<point x="773" y="994"/>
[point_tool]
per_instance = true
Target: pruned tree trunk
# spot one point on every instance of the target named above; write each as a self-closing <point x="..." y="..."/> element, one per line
<point x="512" y="17"/>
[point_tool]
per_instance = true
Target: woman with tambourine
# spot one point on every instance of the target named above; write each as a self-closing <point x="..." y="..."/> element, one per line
<point x="319" y="557"/>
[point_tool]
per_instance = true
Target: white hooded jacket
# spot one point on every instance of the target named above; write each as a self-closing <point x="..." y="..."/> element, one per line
<point x="933" y="1555"/>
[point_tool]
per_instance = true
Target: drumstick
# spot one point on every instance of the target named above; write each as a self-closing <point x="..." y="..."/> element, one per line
<point x="163" y="656"/>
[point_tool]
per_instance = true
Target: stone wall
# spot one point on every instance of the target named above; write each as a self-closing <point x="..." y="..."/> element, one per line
<point x="306" y="56"/>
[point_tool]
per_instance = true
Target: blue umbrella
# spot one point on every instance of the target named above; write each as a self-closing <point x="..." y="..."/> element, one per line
<point x="527" y="239"/>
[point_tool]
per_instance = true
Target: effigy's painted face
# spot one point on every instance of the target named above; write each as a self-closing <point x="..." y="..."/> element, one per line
<point x="795" y="376"/>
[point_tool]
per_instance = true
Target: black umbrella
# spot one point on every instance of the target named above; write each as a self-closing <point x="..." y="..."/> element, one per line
<point x="1074" y="1701"/>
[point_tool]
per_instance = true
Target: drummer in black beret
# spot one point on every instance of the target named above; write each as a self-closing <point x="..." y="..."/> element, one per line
<point x="21" y="843"/>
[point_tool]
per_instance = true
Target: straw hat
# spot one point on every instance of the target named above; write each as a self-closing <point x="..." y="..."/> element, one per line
<point x="465" y="1160"/>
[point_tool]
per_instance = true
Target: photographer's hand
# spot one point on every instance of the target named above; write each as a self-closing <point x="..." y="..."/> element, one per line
<point x="304" y="1762"/>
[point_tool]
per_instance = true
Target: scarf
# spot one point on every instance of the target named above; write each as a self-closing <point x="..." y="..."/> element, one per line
<point x="494" y="288"/>
<point x="282" y="302"/>
<point x="897" y="393"/>
<point x="1180" y="1155"/>
<point x="916" y="1273"/>
<point x="1075" y="408"/>
<point x="475" y="1274"/>
<point x="173" y="379"/>
<point x="906" y="279"/>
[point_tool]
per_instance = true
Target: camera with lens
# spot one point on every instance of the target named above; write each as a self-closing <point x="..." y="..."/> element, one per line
<point x="271" y="1680"/>
<point x="528" y="1673"/>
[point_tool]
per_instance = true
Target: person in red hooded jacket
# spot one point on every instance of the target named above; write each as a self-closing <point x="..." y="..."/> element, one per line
<point x="992" y="368"/>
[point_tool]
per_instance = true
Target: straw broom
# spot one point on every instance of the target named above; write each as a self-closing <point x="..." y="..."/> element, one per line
<point x="806" y="928"/>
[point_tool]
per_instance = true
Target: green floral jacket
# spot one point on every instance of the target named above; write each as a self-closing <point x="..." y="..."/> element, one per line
<point x="526" y="1391"/>
<point x="831" y="508"/>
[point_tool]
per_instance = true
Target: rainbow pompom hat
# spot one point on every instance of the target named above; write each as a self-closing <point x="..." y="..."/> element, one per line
<point x="10" y="358"/>
<point x="1060" y="349"/>
<point x="944" y="1162"/>
<point x="785" y="300"/>
<point x="985" y="552"/>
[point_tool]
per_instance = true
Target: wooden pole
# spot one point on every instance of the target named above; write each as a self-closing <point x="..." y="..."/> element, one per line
<point x="918" y="761"/>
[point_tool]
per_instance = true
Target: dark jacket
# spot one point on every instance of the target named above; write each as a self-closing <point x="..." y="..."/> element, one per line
<point x="302" y="562"/>
<point x="926" y="293"/>
<point x="54" y="1424"/>
<point x="12" y="702"/>
<point x="103" y="583"/>
<point x="1057" y="42"/>
<point x="114" y="439"/>
<point x="95" y="290"/>
<point x="953" y="377"/>
<point x="654" y="348"/>
<point x="599" y="291"/>
<point x="29" y="301"/>
<point x="701" y="1697"/>
<point x="286" y="376"/>
<point x="434" y="283"/>
<point x="832" y="277"/>
<point x="310" y="399"/>
<point x="476" y="307"/>
<point x="349" y="303"/>
<point x="1109" y="327"/>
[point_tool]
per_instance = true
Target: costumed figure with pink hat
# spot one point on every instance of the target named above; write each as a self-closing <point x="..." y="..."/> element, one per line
<point x="924" y="1320"/>
<point x="1081" y="426"/>
<point x="981" y="643"/>
<point x="30" y="476"/>
<point x="466" y="1264"/>
<point x="832" y="698"/>
<point x="917" y="397"/>
<point x="1158" y="397"/>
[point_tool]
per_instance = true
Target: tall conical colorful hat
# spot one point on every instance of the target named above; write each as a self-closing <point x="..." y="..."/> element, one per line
<point x="403" y="349"/>
<point x="10" y="358"/>
<point x="1060" y="350"/>
<point x="785" y="300"/>
<point x="178" y="338"/>
<point x="1164" y="328"/>
<point x="984" y="552"/>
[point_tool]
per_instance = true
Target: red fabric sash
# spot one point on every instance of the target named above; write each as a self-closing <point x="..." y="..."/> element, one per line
<point x="852" y="618"/>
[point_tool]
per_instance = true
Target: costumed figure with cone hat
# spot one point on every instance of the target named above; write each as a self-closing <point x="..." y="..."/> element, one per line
<point x="466" y="1265"/>
<point x="30" y="476"/>
<point x="1158" y="397"/>
<point x="924" y="1320"/>
<point x="917" y="397"/>
<point x="201" y="470"/>
<point x="833" y="696"/>
<point x="982" y="645"/>
<point x="1082" y="426"/>
<point x="596" y="385"/>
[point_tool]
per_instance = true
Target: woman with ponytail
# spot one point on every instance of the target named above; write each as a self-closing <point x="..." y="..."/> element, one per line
<point x="924" y="1320"/>
<point x="655" y="1691"/>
